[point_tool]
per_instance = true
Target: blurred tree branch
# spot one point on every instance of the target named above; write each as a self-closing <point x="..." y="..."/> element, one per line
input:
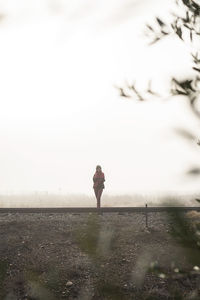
<point x="186" y="27"/>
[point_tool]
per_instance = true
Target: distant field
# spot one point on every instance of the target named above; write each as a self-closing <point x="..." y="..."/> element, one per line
<point x="54" y="200"/>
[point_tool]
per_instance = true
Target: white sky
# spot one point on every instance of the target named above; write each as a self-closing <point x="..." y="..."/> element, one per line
<point x="60" y="113"/>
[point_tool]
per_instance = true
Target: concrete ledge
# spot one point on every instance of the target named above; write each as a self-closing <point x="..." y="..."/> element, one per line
<point x="94" y="209"/>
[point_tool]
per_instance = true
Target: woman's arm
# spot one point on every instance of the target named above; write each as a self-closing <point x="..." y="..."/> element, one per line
<point x="102" y="179"/>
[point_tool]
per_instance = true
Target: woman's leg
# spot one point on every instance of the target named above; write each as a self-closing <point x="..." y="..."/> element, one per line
<point x="96" y="193"/>
<point x="99" y="198"/>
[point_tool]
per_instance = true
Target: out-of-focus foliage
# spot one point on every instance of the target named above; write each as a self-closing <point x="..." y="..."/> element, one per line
<point x="186" y="26"/>
<point x="184" y="228"/>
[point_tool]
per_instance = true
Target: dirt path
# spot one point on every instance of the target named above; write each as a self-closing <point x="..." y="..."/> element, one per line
<point x="89" y="256"/>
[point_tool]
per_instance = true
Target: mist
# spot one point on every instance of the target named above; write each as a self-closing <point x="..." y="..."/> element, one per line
<point x="82" y="200"/>
<point x="61" y="113"/>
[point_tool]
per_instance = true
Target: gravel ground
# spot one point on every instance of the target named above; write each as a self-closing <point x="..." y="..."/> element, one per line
<point x="93" y="257"/>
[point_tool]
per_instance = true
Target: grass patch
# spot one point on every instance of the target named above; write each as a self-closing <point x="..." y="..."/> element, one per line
<point x="3" y="270"/>
<point x="108" y="290"/>
<point x="87" y="237"/>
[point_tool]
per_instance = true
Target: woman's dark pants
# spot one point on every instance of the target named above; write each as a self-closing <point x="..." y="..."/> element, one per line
<point x="98" y="193"/>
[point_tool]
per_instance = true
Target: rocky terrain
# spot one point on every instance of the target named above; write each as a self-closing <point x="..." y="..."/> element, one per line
<point x="93" y="257"/>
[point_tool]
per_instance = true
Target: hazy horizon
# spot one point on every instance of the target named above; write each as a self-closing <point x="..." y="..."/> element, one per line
<point x="78" y="200"/>
<point x="61" y="113"/>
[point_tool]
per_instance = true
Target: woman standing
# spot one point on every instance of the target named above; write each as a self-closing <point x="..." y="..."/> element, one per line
<point x="98" y="186"/>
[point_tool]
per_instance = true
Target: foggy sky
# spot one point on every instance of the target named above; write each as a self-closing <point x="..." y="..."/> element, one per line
<point x="61" y="114"/>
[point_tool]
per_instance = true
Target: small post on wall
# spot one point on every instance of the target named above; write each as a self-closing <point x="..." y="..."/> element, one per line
<point x="146" y="215"/>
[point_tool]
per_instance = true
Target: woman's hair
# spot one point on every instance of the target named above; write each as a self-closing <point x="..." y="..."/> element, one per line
<point x="98" y="166"/>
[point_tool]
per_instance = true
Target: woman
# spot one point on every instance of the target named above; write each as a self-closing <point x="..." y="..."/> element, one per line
<point x="98" y="186"/>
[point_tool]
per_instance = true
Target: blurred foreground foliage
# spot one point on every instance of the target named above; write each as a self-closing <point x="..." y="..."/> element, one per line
<point x="185" y="230"/>
<point x="185" y="25"/>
